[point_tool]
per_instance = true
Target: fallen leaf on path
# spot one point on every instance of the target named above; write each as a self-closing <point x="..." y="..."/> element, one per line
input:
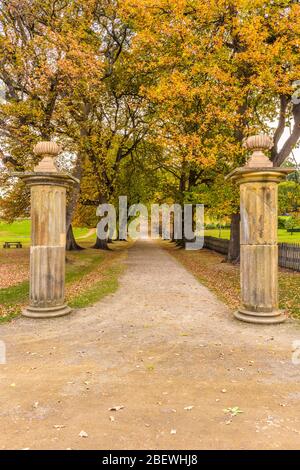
<point x="116" y="408"/>
<point x="167" y="410"/>
<point x="233" y="411"/>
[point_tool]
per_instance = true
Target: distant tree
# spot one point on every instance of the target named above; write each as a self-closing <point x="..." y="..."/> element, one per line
<point x="58" y="58"/>
<point x="292" y="222"/>
<point x="288" y="197"/>
<point x="221" y="71"/>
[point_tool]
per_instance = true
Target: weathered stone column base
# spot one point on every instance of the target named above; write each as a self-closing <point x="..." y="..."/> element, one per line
<point x="35" y="312"/>
<point x="269" y="318"/>
<point x="259" y="181"/>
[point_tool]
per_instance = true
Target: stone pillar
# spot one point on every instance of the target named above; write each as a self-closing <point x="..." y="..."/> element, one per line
<point x="258" y="181"/>
<point x="48" y="234"/>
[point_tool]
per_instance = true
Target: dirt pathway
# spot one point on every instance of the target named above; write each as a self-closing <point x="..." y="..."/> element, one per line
<point x="164" y="348"/>
<point x="91" y="232"/>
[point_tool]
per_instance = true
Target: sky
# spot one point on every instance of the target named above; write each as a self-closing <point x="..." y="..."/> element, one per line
<point x="296" y="151"/>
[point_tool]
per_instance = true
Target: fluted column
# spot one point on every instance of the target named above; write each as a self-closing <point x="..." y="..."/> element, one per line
<point x="48" y="235"/>
<point x="258" y="181"/>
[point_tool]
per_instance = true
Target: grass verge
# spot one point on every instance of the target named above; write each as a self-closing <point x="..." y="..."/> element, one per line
<point x="282" y="234"/>
<point x="107" y="285"/>
<point x="90" y="275"/>
<point x="224" y="278"/>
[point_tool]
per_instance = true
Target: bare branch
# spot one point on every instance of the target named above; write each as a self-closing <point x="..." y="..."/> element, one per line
<point x="292" y="140"/>
<point x="284" y="101"/>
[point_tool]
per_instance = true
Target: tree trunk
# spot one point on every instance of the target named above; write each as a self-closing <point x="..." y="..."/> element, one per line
<point x="182" y="241"/>
<point x="173" y="228"/>
<point x="72" y="202"/>
<point x="182" y="187"/>
<point x="234" y="244"/>
<point x="101" y="244"/>
<point x="71" y="244"/>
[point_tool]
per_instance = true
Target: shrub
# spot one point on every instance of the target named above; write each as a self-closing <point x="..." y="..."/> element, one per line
<point x="292" y="222"/>
<point x="282" y="222"/>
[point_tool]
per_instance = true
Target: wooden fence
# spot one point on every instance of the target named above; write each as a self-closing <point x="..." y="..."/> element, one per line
<point x="220" y="245"/>
<point x="288" y="253"/>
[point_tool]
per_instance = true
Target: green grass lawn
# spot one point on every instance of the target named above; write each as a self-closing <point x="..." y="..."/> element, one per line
<point x="283" y="235"/>
<point x="20" y="231"/>
<point x="90" y="275"/>
<point x="77" y="266"/>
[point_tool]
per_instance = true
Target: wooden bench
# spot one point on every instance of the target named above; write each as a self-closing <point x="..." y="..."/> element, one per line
<point x="11" y="244"/>
<point x="293" y="230"/>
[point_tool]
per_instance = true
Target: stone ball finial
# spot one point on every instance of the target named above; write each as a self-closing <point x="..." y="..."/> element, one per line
<point x="258" y="144"/>
<point x="49" y="150"/>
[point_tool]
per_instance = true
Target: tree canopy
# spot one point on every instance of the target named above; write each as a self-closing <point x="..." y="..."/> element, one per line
<point x="152" y="98"/>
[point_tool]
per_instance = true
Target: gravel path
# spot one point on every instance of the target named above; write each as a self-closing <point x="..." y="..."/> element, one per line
<point x="164" y="348"/>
